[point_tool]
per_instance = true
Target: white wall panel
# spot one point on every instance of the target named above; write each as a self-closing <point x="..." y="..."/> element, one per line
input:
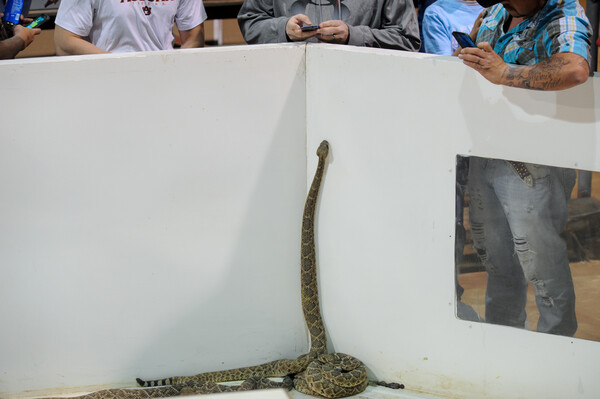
<point x="396" y="122"/>
<point x="150" y="215"/>
<point x="151" y="205"/>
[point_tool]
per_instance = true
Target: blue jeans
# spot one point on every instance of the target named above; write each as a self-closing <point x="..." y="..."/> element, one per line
<point x="516" y="233"/>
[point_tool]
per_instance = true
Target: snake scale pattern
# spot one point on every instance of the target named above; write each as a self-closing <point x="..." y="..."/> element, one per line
<point x="188" y="388"/>
<point x="315" y="373"/>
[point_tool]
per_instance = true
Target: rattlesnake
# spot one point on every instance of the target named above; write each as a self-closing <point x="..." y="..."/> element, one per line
<point x="315" y="373"/>
<point x="186" y="388"/>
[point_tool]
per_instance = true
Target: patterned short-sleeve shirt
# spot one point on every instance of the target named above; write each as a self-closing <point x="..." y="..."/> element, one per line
<point x="559" y="27"/>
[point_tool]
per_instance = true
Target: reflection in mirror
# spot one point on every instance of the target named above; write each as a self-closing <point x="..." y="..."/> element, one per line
<point x="527" y="250"/>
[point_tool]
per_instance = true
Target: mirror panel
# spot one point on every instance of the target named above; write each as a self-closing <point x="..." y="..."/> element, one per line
<point x="527" y="248"/>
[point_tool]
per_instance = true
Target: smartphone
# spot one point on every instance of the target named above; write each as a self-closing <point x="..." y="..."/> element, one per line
<point x="308" y="28"/>
<point x="39" y="21"/>
<point x="463" y="39"/>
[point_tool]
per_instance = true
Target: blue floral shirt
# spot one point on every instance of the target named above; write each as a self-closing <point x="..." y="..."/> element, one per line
<point x="559" y="27"/>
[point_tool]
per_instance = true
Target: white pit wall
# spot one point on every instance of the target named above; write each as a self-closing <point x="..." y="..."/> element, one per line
<point x="151" y="208"/>
<point x="396" y="122"/>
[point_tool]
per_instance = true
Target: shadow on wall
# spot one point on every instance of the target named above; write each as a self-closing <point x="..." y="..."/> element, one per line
<point x="214" y="340"/>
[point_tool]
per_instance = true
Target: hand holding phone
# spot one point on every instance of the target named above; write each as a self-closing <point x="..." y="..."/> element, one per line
<point x="309" y="28"/>
<point x="463" y="39"/>
<point x="39" y="21"/>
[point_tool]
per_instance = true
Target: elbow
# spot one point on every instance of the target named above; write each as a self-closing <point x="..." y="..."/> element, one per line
<point x="578" y="73"/>
<point x="574" y="78"/>
<point x="580" y="76"/>
<point x="66" y="42"/>
<point x="59" y="50"/>
<point x="60" y="42"/>
<point x="192" y="38"/>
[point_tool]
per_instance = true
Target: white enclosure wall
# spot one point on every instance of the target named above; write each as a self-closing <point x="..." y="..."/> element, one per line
<point x="151" y="210"/>
<point x="150" y="215"/>
<point x="396" y="122"/>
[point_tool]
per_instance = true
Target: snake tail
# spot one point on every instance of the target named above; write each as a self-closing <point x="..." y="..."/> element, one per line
<point x="154" y="383"/>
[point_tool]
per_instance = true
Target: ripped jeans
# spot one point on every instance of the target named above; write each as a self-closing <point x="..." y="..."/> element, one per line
<point x="516" y="233"/>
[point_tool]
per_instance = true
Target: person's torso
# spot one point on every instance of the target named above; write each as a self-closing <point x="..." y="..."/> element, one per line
<point x="126" y="25"/>
<point x="535" y="39"/>
<point x="353" y="12"/>
<point x="458" y="15"/>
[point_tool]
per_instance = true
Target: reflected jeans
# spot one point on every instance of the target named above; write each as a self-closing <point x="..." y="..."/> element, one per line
<point x="516" y="233"/>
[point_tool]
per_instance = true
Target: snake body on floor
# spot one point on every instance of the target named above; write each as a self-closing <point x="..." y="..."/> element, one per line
<point x="186" y="388"/>
<point x="315" y="373"/>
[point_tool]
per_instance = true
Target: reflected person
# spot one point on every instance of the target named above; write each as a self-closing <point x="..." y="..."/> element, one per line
<point x="390" y="24"/>
<point x="518" y="210"/>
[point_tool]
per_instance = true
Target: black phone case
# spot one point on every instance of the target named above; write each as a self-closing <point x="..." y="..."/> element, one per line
<point x="463" y="39"/>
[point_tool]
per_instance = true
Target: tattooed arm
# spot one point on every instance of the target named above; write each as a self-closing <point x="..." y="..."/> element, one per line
<point x="560" y="71"/>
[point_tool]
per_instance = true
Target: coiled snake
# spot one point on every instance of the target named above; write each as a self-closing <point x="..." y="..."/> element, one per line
<point x="315" y="373"/>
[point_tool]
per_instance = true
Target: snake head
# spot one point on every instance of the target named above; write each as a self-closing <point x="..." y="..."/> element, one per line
<point x="323" y="149"/>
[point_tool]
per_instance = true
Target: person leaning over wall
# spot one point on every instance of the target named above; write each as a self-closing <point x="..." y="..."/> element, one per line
<point x="9" y="48"/>
<point x="100" y="26"/>
<point x="390" y="24"/>
<point x="518" y="210"/>
<point x="22" y="36"/>
<point x="548" y="40"/>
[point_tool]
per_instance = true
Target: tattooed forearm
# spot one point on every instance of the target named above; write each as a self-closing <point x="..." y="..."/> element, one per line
<point x="543" y="76"/>
<point x="561" y="71"/>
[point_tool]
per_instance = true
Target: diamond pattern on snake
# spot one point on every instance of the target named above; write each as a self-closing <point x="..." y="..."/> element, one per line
<point x="316" y="373"/>
<point x="186" y="388"/>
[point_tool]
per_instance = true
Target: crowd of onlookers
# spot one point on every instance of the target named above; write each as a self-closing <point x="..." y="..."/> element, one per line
<point x="93" y="26"/>
<point x="518" y="210"/>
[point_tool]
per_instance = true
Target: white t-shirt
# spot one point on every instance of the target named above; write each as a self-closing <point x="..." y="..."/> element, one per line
<point x="129" y="25"/>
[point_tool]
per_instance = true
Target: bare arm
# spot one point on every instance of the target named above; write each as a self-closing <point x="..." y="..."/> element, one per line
<point x="9" y="48"/>
<point x="68" y="43"/>
<point x="192" y="38"/>
<point x="22" y="38"/>
<point x="559" y="72"/>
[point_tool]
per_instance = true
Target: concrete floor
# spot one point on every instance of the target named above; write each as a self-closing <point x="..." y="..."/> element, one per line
<point x="374" y="392"/>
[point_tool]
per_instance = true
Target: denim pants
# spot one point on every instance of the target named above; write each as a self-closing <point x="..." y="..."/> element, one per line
<point x="516" y="233"/>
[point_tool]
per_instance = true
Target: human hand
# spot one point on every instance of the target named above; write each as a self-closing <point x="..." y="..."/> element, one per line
<point x="26" y="34"/>
<point x="25" y="21"/>
<point x="293" y="28"/>
<point x="22" y="19"/>
<point x="485" y="61"/>
<point x="333" y="31"/>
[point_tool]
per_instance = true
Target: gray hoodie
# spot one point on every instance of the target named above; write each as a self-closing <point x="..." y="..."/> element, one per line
<point x="388" y="24"/>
